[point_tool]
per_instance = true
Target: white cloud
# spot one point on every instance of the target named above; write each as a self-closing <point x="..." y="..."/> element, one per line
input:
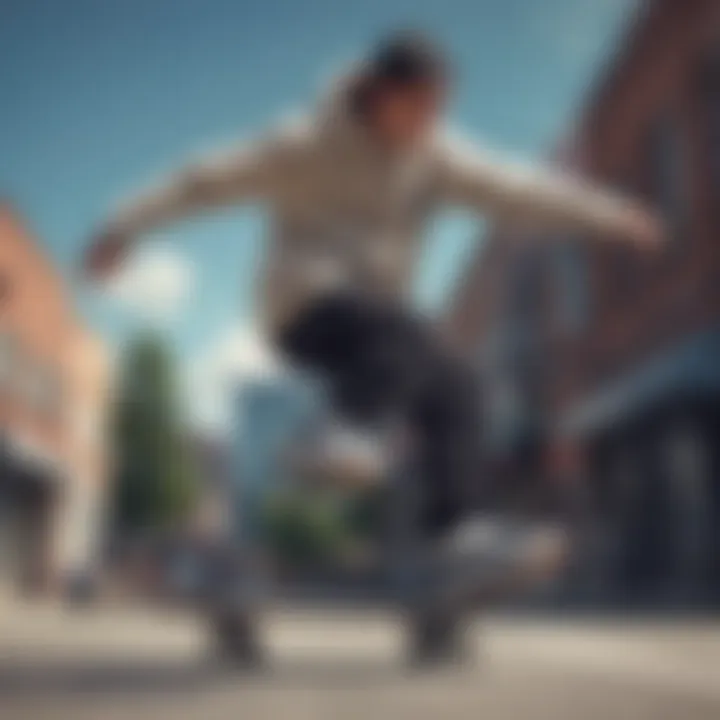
<point x="154" y="282"/>
<point x="236" y="355"/>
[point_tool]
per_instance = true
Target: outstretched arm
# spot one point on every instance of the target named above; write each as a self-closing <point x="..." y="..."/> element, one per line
<point x="538" y="196"/>
<point x="249" y="172"/>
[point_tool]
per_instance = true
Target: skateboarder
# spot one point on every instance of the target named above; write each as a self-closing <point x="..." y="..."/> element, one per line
<point x="349" y="188"/>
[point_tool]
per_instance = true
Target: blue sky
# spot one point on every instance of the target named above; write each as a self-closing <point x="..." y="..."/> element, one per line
<point x="100" y="96"/>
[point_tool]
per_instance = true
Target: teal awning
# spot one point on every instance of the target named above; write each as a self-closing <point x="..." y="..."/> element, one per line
<point x="692" y="367"/>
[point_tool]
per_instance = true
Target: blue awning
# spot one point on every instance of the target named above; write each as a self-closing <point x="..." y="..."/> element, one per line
<point x="692" y="367"/>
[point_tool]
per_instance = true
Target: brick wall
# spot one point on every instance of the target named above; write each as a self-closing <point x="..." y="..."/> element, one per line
<point x="666" y="73"/>
<point x="668" y="77"/>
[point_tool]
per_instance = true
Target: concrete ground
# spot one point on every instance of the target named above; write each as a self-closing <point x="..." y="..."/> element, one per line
<point x="121" y="663"/>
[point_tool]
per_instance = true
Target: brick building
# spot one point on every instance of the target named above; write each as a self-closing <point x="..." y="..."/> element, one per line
<point x="54" y="385"/>
<point x="496" y="319"/>
<point x="617" y="353"/>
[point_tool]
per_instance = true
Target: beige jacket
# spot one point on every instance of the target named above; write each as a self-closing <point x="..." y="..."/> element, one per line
<point x="346" y="214"/>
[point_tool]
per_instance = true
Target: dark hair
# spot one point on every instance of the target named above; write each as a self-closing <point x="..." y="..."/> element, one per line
<point x="407" y="57"/>
<point x="399" y="60"/>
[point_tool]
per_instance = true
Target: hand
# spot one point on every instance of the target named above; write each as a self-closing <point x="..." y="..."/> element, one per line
<point x="643" y="229"/>
<point x="105" y="253"/>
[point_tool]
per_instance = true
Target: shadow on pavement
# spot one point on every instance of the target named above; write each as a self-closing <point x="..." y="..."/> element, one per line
<point x="135" y="677"/>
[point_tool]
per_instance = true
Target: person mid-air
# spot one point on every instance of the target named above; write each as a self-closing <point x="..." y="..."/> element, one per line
<point x="349" y="189"/>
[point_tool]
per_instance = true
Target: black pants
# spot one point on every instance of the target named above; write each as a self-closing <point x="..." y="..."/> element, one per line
<point x="381" y="361"/>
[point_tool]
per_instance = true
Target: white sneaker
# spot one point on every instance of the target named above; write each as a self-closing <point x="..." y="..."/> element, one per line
<point x="499" y="557"/>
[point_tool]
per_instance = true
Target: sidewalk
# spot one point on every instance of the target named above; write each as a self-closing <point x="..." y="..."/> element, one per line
<point x="64" y="664"/>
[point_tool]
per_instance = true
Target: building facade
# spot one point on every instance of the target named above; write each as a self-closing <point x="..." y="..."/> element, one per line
<point x="270" y="412"/>
<point x="212" y="457"/>
<point x="496" y="321"/>
<point x="54" y="388"/>
<point x="624" y="346"/>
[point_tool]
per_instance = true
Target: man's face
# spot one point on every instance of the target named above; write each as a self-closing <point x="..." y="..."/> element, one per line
<point x="403" y="116"/>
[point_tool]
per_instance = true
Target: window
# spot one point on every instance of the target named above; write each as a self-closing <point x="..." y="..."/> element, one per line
<point x="666" y="182"/>
<point x="572" y="284"/>
<point x="503" y="409"/>
<point x="525" y="302"/>
<point x="8" y="358"/>
<point x="709" y="82"/>
<point x="42" y="388"/>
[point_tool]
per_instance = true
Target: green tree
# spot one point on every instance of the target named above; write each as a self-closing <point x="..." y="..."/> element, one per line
<point x="304" y="529"/>
<point x="155" y="483"/>
<point x="366" y="513"/>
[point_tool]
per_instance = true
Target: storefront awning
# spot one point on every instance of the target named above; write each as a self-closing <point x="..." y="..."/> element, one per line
<point x="689" y="369"/>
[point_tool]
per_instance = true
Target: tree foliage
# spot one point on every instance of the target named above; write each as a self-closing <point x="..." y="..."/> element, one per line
<point x="155" y="484"/>
<point x="304" y="529"/>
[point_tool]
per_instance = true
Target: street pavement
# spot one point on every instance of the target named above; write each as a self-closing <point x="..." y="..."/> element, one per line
<point x="133" y="663"/>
